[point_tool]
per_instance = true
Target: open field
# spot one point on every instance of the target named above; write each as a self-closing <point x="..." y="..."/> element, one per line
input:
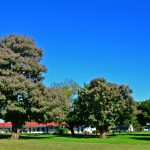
<point x="134" y="141"/>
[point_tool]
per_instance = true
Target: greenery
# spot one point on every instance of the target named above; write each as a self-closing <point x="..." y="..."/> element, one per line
<point x="21" y="88"/>
<point x="144" y="112"/>
<point x="124" y="141"/>
<point x="61" y="131"/>
<point x="70" y="88"/>
<point x="103" y="104"/>
<point x="24" y="97"/>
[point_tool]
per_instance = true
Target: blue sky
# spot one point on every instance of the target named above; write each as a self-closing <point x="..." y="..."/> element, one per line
<point x="85" y="39"/>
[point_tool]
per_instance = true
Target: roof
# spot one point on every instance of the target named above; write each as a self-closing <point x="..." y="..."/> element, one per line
<point x="30" y="124"/>
<point x="34" y="124"/>
<point x="8" y="124"/>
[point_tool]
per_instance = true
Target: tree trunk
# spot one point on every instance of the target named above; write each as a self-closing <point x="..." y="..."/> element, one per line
<point x="96" y="132"/>
<point x="15" y="132"/>
<point x="142" y="129"/>
<point x="72" y="132"/>
<point x="102" y="134"/>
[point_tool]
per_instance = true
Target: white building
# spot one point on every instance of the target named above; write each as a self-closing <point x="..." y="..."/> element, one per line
<point x="31" y="127"/>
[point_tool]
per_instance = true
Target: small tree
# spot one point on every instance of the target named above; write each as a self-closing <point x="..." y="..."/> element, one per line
<point x="21" y="89"/>
<point x="70" y="89"/>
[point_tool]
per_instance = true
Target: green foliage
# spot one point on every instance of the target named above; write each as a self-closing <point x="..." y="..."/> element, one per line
<point x="128" y="107"/>
<point x="21" y="88"/>
<point x="144" y="112"/>
<point x="70" y="89"/>
<point x="56" y="105"/>
<point x="102" y="104"/>
<point x="61" y="131"/>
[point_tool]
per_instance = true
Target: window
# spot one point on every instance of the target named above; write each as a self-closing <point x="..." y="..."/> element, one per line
<point x="43" y="129"/>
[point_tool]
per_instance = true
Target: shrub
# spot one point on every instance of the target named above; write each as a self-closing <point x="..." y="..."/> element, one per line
<point x="61" y="131"/>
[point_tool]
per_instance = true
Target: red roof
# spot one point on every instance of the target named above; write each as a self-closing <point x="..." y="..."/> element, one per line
<point x="30" y="124"/>
<point x="8" y="124"/>
<point x="34" y="124"/>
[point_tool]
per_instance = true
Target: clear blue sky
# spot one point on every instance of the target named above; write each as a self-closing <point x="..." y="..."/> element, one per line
<point x="85" y="39"/>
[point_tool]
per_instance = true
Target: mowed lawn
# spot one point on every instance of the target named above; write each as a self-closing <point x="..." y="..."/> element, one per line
<point x="134" y="141"/>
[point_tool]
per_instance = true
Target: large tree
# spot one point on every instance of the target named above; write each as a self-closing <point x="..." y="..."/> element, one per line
<point x="100" y="103"/>
<point x="21" y="89"/>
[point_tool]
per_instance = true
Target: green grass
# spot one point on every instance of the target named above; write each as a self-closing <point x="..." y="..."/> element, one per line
<point x="134" y="141"/>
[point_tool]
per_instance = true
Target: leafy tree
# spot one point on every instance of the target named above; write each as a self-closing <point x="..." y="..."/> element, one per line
<point x="73" y="118"/>
<point x="144" y="112"/>
<point x="21" y="90"/>
<point x="70" y="88"/>
<point x="128" y="108"/>
<point x="55" y="107"/>
<point x="99" y="103"/>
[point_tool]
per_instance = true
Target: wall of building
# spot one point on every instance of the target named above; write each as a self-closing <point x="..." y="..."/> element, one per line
<point x="38" y="129"/>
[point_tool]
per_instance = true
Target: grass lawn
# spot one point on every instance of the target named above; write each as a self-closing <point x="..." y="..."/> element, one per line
<point x="134" y="141"/>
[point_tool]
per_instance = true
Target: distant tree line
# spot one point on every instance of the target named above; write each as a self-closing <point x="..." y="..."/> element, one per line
<point x="24" y="97"/>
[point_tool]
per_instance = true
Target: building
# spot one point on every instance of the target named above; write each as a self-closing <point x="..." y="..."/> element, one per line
<point x="30" y="127"/>
<point x="147" y="127"/>
<point x="33" y="127"/>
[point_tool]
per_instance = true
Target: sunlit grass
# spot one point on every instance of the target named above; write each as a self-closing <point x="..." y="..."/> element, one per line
<point x="134" y="141"/>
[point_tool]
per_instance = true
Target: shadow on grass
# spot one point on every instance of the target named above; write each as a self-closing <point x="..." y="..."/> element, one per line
<point x="141" y="138"/>
<point x="50" y="136"/>
<point x="134" y="136"/>
<point x="84" y="136"/>
<point x="5" y="136"/>
<point x="35" y="136"/>
<point x="27" y="136"/>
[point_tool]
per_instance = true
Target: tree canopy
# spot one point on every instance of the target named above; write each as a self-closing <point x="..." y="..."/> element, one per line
<point x="144" y="112"/>
<point x="101" y="102"/>
<point x="23" y="96"/>
<point x="21" y="88"/>
<point x="70" y="89"/>
<point x="128" y="107"/>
